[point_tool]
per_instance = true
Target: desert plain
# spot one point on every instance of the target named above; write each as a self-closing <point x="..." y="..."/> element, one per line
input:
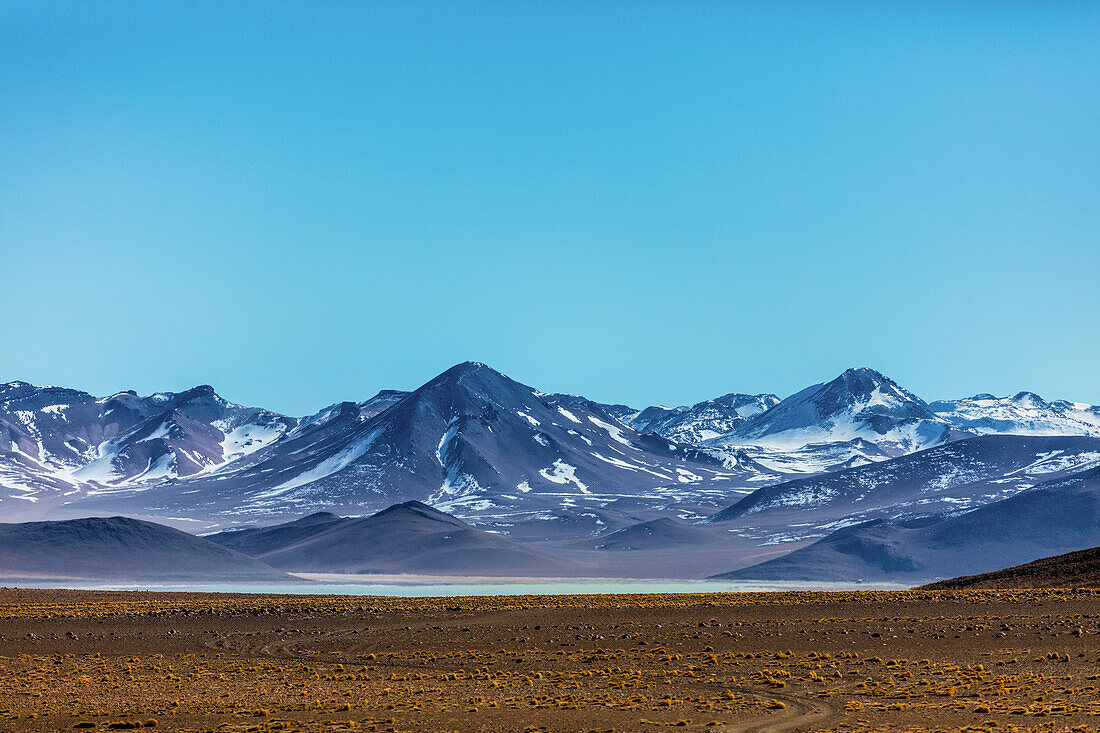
<point x="925" y="660"/>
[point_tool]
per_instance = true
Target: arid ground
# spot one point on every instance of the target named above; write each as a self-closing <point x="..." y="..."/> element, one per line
<point x="845" y="661"/>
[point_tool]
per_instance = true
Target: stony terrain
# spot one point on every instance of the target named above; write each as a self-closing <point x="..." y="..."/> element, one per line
<point x="916" y="660"/>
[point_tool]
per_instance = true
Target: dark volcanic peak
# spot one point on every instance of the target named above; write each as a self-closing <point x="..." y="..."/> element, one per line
<point x="872" y="392"/>
<point x="317" y="518"/>
<point x="119" y="548"/>
<point x="412" y="538"/>
<point x="256" y="541"/>
<point x="657" y="534"/>
<point x="417" y="509"/>
<point x="470" y="441"/>
<point x="466" y="369"/>
<point x="198" y="392"/>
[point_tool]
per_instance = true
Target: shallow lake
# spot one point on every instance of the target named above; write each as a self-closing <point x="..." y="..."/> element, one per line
<point x="413" y="585"/>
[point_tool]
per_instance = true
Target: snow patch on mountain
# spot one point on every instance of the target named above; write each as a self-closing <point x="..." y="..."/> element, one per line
<point x="704" y="420"/>
<point x="615" y="433"/>
<point x="562" y="473"/>
<point x="327" y="467"/>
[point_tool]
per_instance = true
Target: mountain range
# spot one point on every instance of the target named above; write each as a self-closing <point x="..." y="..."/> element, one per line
<point x="579" y="485"/>
<point x="405" y="538"/>
<point x="1055" y="516"/>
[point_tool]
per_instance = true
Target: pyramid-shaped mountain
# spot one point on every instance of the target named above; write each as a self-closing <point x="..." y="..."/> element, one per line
<point x="470" y="441"/>
<point x="860" y="403"/>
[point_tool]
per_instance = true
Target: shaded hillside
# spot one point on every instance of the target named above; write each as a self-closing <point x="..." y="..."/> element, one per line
<point x="950" y="478"/>
<point x="260" y="540"/>
<point x="1058" y="516"/>
<point x="1079" y="569"/>
<point x="412" y="538"/>
<point x="119" y="548"/>
<point x="658" y="534"/>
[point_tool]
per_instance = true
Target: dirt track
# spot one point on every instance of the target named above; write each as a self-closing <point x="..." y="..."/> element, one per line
<point x="739" y="662"/>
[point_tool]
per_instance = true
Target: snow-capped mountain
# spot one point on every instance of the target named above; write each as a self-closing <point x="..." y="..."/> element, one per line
<point x="476" y="442"/>
<point x="1056" y="516"/>
<point x="64" y="438"/>
<point x="470" y="441"/>
<point x="815" y="458"/>
<point x="489" y="449"/>
<point x="859" y="404"/>
<point x="1025" y="413"/>
<point x="702" y="421"/>
<point x="951" y="478"/>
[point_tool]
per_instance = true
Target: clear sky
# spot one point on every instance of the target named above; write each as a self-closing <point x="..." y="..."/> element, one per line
<point x="646" y="202"/>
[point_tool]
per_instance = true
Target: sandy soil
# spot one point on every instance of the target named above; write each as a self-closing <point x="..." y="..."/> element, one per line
<point x="843" y="661"/>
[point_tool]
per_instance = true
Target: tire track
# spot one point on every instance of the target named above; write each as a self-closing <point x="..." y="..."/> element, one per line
<point x="800" y="711"/>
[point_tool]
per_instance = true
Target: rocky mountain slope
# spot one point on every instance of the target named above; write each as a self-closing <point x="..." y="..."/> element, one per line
<point x="702" y="421"/>
<point x="471" y="442"/>
<point x="950" y="478"/>
<point x="859" y="404"/>
<point x="1057" y="516"/>
<point x="52" y="437"/>
<point x="1079" y="569"/>
<point x="256" y="541"/>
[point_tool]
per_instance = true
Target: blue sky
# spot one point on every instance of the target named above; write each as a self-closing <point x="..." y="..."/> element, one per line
<point x="638" y="201"/>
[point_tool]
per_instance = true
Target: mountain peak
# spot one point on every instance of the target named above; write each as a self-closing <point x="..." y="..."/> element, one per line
<point x="863" y="377"/>
<point x="468" y="367"/>
<point x="316" y="518"/>
<point x="16" y="389"/>
<point x="16" y="384"/>
<point x="860" y="402"/>
<point x="198" y="392"/>
<point x="861" y="384"/>
<point x="386" y="393"/>
<point x="864" y="370"/>
<point x="414" y="508"/>
<point x="474" y="376"/>
<point x="739" y="399"/>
